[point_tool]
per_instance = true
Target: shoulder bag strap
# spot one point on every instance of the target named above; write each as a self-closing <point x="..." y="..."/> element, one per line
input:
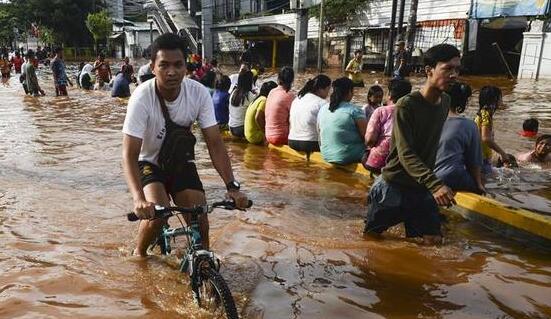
<point x="164" y="109"/>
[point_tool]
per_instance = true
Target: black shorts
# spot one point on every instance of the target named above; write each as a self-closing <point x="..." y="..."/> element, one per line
<point x="305" y="146"/>
<point x="389" y="205"/>
<point x="187" y="179"/>
<point x="238" y="131"/>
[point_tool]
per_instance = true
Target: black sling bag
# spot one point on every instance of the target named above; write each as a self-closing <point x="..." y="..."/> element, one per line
<point x="178" y="146"/>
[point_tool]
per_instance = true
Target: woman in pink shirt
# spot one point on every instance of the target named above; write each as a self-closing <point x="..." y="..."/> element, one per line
<point x="378" y="135"/>
<point x="278" y="107"/>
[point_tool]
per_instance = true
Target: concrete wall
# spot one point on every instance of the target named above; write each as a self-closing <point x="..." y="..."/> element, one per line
<point x="535" y="60"/>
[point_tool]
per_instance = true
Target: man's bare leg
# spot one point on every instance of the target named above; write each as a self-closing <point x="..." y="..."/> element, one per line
<point x="149" y="229"/>
<point x="190" y="198"/>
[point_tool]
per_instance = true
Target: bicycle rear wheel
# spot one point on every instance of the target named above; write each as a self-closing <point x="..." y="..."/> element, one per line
<point x="214" y="295"/>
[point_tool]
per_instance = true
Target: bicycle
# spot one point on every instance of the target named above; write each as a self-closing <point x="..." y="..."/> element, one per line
<point x="209" y="288"/>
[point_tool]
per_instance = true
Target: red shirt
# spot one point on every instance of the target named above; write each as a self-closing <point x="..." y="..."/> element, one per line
<point x="17" y="63"/>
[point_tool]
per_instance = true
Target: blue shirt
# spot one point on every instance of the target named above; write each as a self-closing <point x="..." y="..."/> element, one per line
<point x="458" y="150"/>
<point x="58" y="69"/>
<point x="121" y="86"/>
<point x="340" y="139"/>
<point x="221" y="100"/>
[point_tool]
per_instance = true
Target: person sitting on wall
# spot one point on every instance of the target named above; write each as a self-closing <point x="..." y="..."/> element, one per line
<point x="459" y="157"/>
<point x="303" y="131"/>
<point x="278" y="107"/>
<point x="379" y="128"/>
<point x="342" y="126"/>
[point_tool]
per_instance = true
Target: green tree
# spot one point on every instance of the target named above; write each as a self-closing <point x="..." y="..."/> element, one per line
<point x="47" y="35"/>
<point x="338" y="11"/>
<point x="100" y="25"/>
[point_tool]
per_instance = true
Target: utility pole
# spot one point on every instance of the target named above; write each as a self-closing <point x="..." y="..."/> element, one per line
<point x="412" y="22"/>
<point x="320" y="38"/>
<point x="391" y="39"/>
<point x="401" y="19"/>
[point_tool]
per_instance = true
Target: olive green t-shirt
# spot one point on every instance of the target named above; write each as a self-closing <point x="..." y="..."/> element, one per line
<point x="416" y="130"/>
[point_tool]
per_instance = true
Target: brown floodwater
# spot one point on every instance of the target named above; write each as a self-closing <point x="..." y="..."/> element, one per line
<point x="298" y="253"/>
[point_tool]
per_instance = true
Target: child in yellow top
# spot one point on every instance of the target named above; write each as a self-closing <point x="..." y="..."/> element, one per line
<point x="489" y="102"/>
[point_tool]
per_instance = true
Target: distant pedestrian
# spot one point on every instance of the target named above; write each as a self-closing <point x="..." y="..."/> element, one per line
<point x="354" y="69"/>
<point x="30" y="76"/>
<point x="85" y="77"/>
<point x="401" y="69"/>
<point x="102" y="69"/>
<point x="17" y="62"/>
<point x="128" y="69"/>
<point x="60" y="76"/>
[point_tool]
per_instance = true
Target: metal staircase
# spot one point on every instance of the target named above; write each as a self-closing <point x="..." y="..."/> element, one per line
<point x="172" y="16"/>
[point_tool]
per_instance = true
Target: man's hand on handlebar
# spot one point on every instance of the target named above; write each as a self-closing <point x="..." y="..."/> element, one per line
<point x="240" y="199"/>
<point x="144" y="209"/>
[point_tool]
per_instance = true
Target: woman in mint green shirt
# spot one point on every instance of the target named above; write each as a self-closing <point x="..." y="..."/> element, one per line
<point x="342" y="126"/>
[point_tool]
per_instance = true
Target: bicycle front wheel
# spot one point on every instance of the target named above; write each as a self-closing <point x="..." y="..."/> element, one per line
<point x="214" y="295"/>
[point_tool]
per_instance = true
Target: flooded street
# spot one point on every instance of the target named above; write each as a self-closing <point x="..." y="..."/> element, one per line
<point x="298" y="253"/>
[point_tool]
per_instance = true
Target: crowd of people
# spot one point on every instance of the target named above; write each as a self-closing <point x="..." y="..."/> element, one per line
<point x="418" y="143"/>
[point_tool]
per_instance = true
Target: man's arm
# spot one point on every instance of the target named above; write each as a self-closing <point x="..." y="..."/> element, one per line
<point x="412" y="164"/>
<point x="218" y="153"/>
<point x="131" y="147"/>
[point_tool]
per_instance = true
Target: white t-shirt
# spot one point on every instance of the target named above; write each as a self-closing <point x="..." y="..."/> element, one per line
<point x="144" y="118"/>
<point x="144" y="70"/>
<point x="233" y="80"/>
<point x="237" y="113"/>
<point x="303" y="117"/>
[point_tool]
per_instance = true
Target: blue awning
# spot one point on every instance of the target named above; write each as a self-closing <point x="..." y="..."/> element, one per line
<point x="482" y="9"/>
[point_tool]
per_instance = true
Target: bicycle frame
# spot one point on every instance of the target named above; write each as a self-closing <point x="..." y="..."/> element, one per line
<point x="195" y="254"/>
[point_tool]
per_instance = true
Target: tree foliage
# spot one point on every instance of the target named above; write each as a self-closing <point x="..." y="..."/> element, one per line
<point x="64" y="20"/>
<point x="99" y="24"/>
<point x="338" y="11"/>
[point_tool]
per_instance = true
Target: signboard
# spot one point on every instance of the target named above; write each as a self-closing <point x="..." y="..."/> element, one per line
<point x="304" y="4"/>
<point x="509" y="8"/>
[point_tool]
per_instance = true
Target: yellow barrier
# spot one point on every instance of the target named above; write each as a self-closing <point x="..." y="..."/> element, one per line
<point x="525" y="220"/>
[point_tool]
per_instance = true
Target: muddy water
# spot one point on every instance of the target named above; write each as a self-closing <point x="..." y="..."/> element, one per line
<point x="297" y="254"/>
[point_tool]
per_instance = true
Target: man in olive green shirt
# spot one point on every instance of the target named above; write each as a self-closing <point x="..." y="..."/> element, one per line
<point x="408" y="191"/>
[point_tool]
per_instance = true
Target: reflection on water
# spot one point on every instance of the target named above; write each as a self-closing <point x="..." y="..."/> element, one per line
<point x="297" y="254"/>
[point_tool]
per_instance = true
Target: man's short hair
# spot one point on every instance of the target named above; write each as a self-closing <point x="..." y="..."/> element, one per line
<point x="440" y="53"/>
<point x="168" y="41"/>
<point x="359" y="51"/>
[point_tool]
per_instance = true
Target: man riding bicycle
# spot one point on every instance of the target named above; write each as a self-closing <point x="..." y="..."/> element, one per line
<point x="158" y="146"/>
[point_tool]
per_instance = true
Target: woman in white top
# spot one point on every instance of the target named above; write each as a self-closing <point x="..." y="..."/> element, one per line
<point x="240" y="99"/>
<point x="303" y="132"/>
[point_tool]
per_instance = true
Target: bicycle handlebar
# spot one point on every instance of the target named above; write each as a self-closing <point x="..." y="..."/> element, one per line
<point x="161" y="212"/>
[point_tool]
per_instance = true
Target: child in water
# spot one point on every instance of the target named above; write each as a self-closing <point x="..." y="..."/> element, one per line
<point x="374" y="100"/>
<point x="530" y="128"/>
<point x="489" y="102"/>
<point x="541" y="152"/>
